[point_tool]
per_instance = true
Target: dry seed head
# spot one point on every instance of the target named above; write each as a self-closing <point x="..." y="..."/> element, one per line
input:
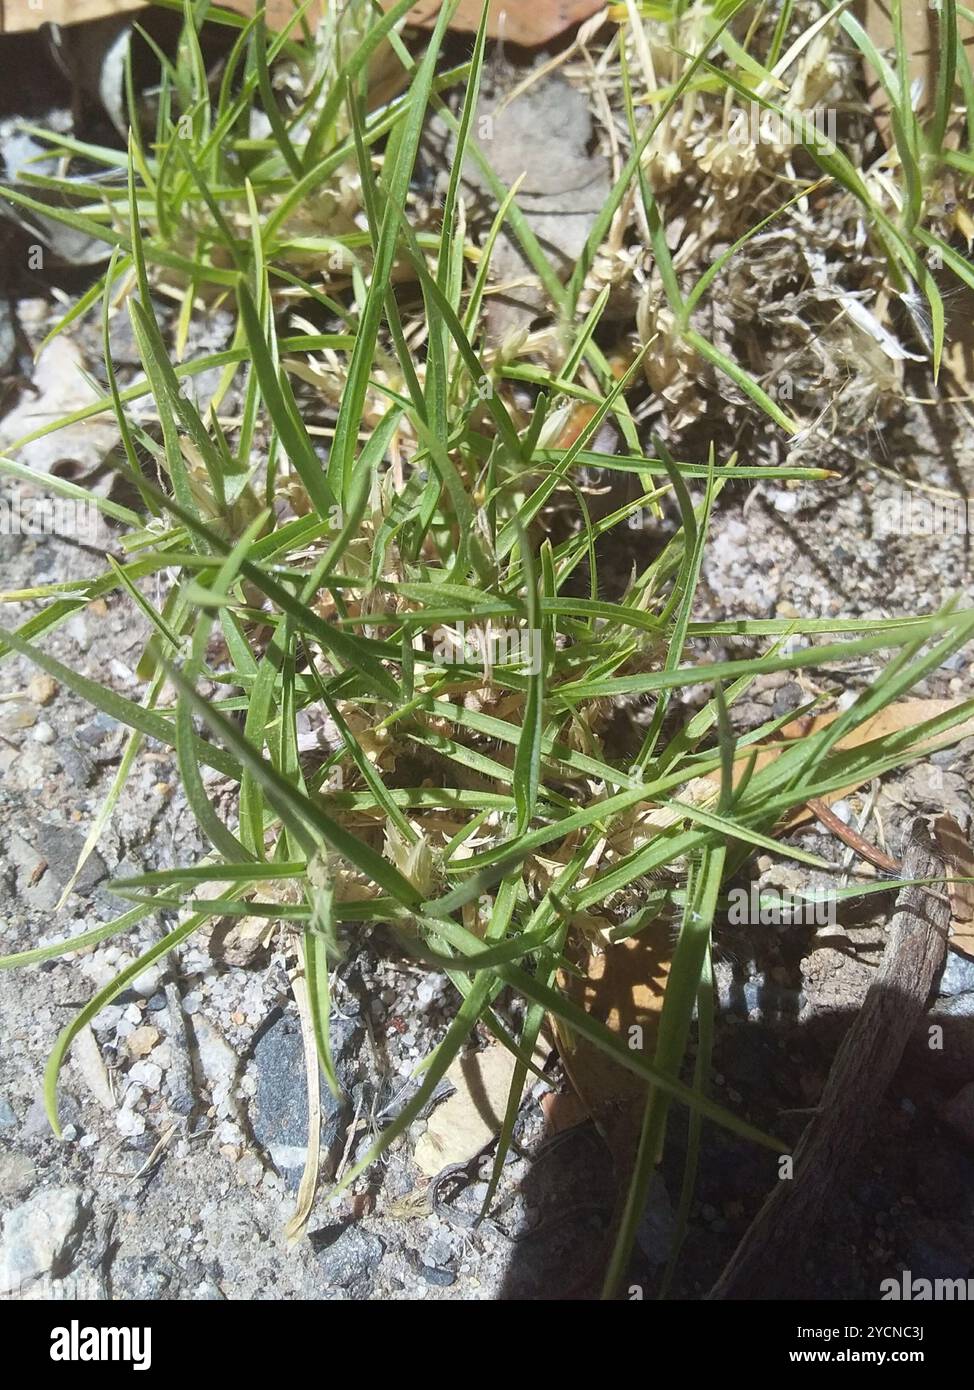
<point x="416" y="862"/>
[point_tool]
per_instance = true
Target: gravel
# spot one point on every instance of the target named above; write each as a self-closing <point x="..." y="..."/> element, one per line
<point x="347" y="1257"/>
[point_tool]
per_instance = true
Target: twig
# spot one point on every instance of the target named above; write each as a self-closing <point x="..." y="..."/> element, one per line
<point x="160" y="1145"/>
<point x="350" y="1134"/>
<point x="852" y="838"/>
<point x="785" y="1227"/>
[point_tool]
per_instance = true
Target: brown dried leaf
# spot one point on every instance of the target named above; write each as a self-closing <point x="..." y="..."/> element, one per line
<point x="525" y="24"/>
<point x="562" y="1110"/>
<point x="905" y="715"/>
<point x="922" y="46"/>
<point x="466" y="1122"/>
<point x="622" y="985"/>
<point x="19" y="15"/>
<point x="522" y="24"/>
<point x="892" y="720"/>
<point x="16" y="16"/>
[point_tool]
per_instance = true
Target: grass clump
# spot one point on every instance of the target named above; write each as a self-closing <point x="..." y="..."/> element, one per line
<point x="421" y="575"/>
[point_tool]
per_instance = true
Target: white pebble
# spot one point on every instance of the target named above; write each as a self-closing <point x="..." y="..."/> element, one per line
<point x="106" y="1020"/>
<point x="132" y="1097"/>
<point x="149" y="981"/>
<point x="147" y="1074"/>
<point x="129" y="1124"/>
<point x="121" y="672"/>
<point x="78" y="631"/>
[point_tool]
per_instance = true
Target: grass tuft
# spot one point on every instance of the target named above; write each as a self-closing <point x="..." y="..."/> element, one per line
<point x="365" y="527"/>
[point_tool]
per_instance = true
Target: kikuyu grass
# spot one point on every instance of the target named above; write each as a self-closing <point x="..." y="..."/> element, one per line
<point x="431" y="511"/>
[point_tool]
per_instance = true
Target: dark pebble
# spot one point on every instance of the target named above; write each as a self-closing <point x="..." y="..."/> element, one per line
<point x="279" y="1111"/>
<point x="958" y="976"/>
<point x="442" y="1278"/>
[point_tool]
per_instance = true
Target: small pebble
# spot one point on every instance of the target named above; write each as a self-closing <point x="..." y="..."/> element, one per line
<point x="147" y="1074"/>
<point x="441" y="1277"/>
<point x="42" y="688"/>
<point x="142" y="1041"/>
<point x="129" y="1124"/>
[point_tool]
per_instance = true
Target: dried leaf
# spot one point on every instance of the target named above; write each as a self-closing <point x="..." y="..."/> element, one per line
<point x="529" y="25"/>
<point x="17" y="16"/>
<point x="892" y="720"/>
<point x="466" y="1122"/>
<point x="522" y="24"/>
<point x="622" y="985"/>
<point x="562" y="1110"/>
<point x="703" y="791"/>
<point x="88" y="1060"/>
<point x="922" y="46"/>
